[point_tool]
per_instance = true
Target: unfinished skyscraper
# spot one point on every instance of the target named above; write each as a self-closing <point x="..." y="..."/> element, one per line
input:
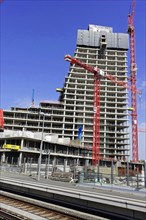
<point x="97" y="46"/>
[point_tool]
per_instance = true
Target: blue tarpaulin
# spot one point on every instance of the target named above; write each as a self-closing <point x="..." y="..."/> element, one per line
<point x="80" y="132"/>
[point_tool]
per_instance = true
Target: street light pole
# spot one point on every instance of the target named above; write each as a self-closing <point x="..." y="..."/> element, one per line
<point x="41" y="149"/>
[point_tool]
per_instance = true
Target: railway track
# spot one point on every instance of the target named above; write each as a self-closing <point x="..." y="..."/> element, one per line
<point x="8" y="216"/>
<point x="17" y="209"/>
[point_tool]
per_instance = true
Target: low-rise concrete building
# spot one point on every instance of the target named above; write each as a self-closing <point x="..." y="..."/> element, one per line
<point x="18" y="147"/>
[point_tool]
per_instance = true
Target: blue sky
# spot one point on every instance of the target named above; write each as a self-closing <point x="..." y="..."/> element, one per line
<point x="36" y="34"/>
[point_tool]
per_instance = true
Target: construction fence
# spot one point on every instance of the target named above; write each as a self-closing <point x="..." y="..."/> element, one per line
<point x="101" y="175"/>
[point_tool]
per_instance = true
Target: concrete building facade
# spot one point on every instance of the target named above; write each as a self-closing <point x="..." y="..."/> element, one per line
<point x="97" y="46"/>
<point x="18" y="147"/>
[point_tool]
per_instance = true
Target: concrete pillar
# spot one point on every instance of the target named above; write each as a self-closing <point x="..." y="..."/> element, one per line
<point x="86" y="162"/>
<point x="3" y="157"/>
<point x="81" y="177"/>
<point x="24" y="166"/>
<point x="65" y="164"/>
<point x="30" y="166"/>
<point x="54" y="148"/>
<point x="127" y="173"/>
<point x="54" y="161"/>
<point x="54" y="165"/>
<point x="112" y="172"/>
<point x="74" y="171"/>
<point x="85" y="169"/>
<point x="142" y="177"/>
<point x="77" y="161"/>
<point x="78" y="151"/>
<point x="22" y="143"/>
<point x="47" y="165"/>
<point x="12" y="160"/>
<point x="6" y="160"/>
<point x="20" y="159"/>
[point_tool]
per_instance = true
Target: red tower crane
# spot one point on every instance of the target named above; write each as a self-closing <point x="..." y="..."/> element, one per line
<point x="133" y="70"/>
<point x="1" y="121"/>
<point x="98" y="73"/>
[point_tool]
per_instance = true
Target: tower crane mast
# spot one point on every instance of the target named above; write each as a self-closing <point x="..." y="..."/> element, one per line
<point x="96" y="118"/>
<point x="133" y="71"/>
<point x="1" y="120"/>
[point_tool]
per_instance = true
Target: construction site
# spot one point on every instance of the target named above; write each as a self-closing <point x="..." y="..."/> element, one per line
<point x="88" y="127"/>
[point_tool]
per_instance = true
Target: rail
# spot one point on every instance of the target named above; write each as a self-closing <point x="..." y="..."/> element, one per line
<point x="4" y="214"/>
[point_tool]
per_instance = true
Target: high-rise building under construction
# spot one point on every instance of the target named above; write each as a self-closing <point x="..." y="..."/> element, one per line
<point x="97" y="46"/>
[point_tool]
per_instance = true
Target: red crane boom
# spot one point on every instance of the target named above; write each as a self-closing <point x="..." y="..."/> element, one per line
<point x="101" y="73"/>
<point x="133" y="70"/>
<point x="98" y="73"/>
